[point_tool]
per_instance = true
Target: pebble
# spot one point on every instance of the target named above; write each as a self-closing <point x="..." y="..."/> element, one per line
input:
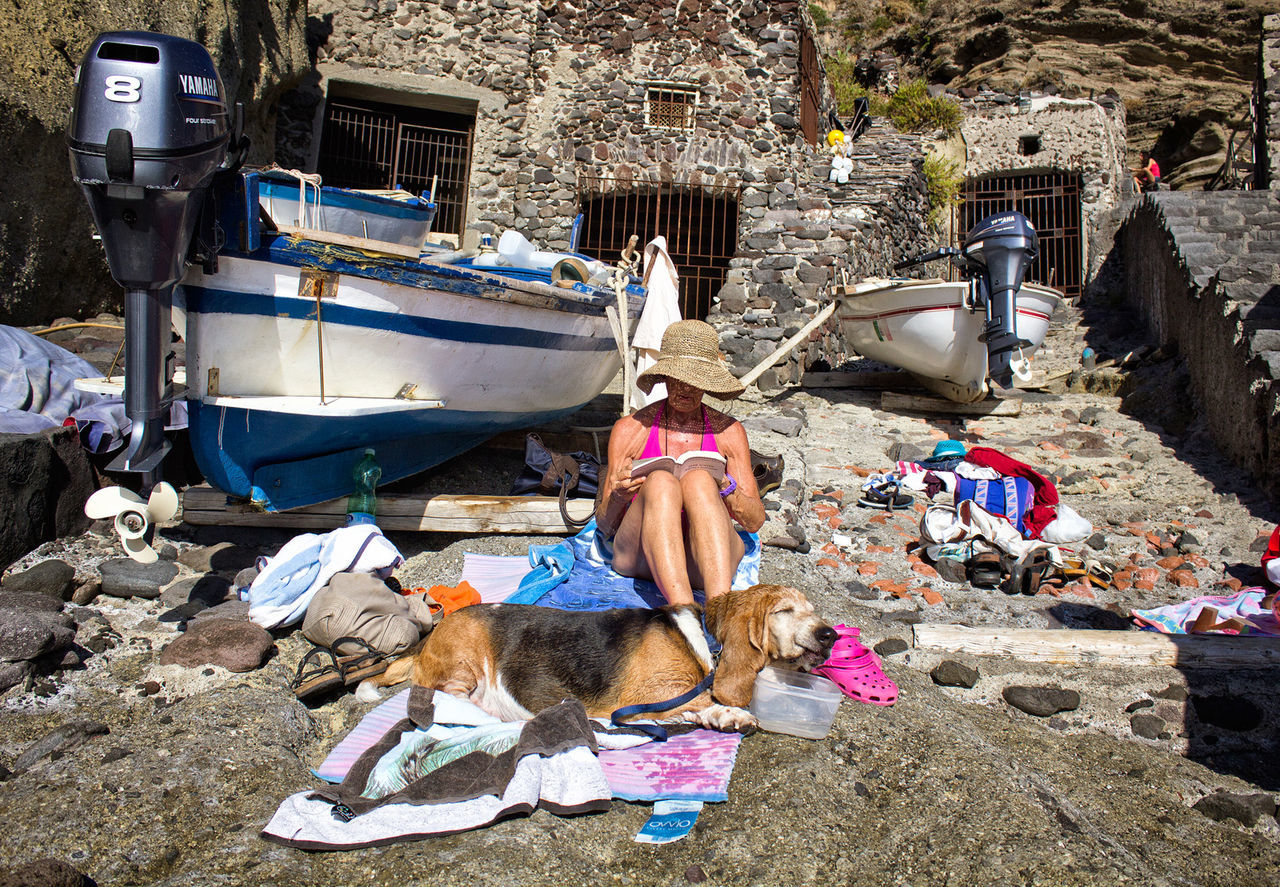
<point x="949" y="673"/>
<point x="1146" y="726"/>
<point x="1041" y="701"/>
<point x="125" y="577"/>
<point x="1245" y="809"/>
<point x="53" y="577"/>
<point x="891" y="647"/>
<point x="235" y="645"/>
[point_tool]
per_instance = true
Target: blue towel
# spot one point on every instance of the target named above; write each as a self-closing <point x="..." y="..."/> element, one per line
<point x="590" y="583"/>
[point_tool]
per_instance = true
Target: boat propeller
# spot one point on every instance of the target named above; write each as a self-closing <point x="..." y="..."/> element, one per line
<point x="133" y="517"/>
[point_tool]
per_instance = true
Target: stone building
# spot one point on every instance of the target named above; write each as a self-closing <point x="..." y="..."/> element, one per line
<point x="1061" y="162"/>
<point x="582" y="122"/>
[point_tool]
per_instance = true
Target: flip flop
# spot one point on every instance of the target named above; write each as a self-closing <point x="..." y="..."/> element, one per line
<point x="355" y="667"/>
<point x="315" y="676"/>
<point x="855" y="669"/>
<point x="886" y="495"/>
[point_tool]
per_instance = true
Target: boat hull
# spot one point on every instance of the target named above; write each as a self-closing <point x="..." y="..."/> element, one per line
<point x="301" y="355"/>
<point x="345" y="211"/>
<point x="927" y="328"/>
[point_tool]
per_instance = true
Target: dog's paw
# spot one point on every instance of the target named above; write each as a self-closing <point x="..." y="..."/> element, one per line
<point x="367" y="691"/>
<point x="725" y="718"/>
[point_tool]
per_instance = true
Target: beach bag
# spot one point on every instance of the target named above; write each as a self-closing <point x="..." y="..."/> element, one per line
<point x="1007" y="497"/>
<point x="548" y="473"/>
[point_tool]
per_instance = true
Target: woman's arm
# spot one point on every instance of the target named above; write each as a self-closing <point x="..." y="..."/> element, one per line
<point x="744" y="503"/>
<point x="626" y="442"/>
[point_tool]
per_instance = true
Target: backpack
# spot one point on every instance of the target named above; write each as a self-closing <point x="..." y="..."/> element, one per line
<point x="1007" y="497"/>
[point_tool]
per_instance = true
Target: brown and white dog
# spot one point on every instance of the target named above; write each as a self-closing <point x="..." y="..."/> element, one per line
<point x="514" y="660"/>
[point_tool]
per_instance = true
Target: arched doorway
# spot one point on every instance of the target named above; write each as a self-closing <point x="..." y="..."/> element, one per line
<point x="700" y="224"/>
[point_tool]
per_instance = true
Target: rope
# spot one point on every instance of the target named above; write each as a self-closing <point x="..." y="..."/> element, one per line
<point x="74" y="326"/>
<point x="304" y="179"/>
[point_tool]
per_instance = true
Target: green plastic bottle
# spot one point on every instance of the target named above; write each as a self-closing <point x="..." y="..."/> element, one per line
<point x="362" y="505"/>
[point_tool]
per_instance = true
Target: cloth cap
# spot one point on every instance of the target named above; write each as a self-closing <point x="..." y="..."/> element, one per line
<point x="691" y="354"/>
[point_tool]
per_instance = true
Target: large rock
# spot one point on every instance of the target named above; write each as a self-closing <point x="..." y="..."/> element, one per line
<point x="53" y="577"/>
<point x="1041" y="701"/>
<point x="125" y="577"/>
<point x="29" y="634"/>
<point x="236" y="646"/>
<point x="45" y="479"/>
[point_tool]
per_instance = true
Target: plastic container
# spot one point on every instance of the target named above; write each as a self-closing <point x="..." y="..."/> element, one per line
<point x="362" y="505"/>
<point x="794" y="702"/>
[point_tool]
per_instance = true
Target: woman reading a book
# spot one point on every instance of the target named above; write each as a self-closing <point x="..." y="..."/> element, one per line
<point x="671" y="520"/>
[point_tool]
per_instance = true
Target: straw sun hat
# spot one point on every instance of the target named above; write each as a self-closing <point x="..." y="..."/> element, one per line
<point x="691" y="354"/>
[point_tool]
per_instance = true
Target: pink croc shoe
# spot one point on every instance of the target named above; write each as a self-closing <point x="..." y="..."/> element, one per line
<point x="855" y="669"/>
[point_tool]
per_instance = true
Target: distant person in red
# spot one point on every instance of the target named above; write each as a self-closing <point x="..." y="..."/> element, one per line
<point x="1148" y="175"/>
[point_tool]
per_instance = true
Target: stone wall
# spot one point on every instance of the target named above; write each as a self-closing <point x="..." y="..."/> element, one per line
<point x="1075" y="136"/>
<point x="1267" y="107"/>
<point x="1203" y="268"/>
<point x="558" y="91"/>
<point x="49" y="264"/>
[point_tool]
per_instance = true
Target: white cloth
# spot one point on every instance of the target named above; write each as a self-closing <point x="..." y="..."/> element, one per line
<point x="1067" y="527"/>
<point x="661" y="309"/>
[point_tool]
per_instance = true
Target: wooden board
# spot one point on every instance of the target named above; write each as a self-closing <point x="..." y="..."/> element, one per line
<point x="205" y="506"/>
<point x="1082" y="647"/>
<point x="360" y="243"/>
<point x="913" y="403"/>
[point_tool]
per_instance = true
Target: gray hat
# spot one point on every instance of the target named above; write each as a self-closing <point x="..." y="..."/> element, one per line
<point x="691" y="354"/>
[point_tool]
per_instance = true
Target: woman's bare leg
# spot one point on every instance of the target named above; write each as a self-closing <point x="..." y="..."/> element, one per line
<point x="714" y="549"/>
<point x="650" y="541"/>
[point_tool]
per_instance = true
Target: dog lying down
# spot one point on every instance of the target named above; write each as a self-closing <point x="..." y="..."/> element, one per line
<point x="513" y="660"/>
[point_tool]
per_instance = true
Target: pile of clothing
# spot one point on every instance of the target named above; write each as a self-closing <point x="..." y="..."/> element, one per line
<point x="340" y="586"/>
<point x="1004" y="522"/>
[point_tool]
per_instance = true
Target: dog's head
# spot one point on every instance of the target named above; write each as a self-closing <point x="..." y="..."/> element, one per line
<point x="759" y="626"/>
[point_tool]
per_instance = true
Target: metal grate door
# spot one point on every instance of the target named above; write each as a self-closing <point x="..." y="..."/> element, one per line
<point x="365" y="145"/>
<point x="700" y="225"/>
<point x="1052" y="202"/>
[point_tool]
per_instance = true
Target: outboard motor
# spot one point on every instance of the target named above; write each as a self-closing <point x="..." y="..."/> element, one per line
<point x="149" y="129"/>
<point x="1005" y="245"/>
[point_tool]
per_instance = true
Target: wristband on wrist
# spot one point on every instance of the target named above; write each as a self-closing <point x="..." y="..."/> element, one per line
<point x="733" y="485"/>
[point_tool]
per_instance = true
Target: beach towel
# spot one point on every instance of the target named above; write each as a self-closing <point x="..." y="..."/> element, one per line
<point x="1246" y="604"/>
<point x="695" y="765"/>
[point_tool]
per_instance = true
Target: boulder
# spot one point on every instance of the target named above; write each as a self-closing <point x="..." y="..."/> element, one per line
<point x="29" y="634"/>
<point x="236" y="646"/>
<point x="45" y="479"/>
<point x="125" y="577"/>
<point x="52" y="577"/>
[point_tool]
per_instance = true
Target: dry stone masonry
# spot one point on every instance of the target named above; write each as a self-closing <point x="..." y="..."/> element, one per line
<point x="559" y="91"/>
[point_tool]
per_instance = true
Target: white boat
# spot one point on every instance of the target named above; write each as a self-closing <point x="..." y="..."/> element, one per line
<point x="933" y="329"/>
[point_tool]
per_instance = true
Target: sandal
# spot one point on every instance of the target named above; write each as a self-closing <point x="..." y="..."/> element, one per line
<point x="767" y="471"/>
<point x="355" y="667"/>
<point x="1033" y="573"/>
<point x="314" y="676"/>
<point x="855" y="669"/>
<point x="885" y="493"/>
<point x="985" y="570"/>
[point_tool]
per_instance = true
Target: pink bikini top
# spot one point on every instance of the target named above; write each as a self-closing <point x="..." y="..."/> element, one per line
<point x="653" y="446"/>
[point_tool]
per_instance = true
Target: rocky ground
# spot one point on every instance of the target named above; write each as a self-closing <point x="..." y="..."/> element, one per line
<point x="132" y="755"/>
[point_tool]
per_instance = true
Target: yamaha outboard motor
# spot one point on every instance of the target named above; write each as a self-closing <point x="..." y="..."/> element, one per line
<point x="149" y="129"/>
<point x="1005" y="244"/>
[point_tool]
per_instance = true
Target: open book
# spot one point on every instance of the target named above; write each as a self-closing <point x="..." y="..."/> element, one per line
<point x="708" y="460"/>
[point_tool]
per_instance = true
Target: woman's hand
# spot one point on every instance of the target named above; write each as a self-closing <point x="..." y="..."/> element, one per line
<point x="624" y="486"/>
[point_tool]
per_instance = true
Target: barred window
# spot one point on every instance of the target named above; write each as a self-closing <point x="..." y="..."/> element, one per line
<point x="670" y="106"/>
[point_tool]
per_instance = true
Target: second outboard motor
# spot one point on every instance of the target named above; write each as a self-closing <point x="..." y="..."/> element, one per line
<point x="149" y="129"/>
<point x="1006" y="244"/>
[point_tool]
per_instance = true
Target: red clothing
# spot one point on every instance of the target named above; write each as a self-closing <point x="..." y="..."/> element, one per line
<point x="1044" y="510"/>
<point x="1153" y="168"/>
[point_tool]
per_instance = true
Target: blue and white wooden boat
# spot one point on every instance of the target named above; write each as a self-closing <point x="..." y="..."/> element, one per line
<point x="301" y="353"/>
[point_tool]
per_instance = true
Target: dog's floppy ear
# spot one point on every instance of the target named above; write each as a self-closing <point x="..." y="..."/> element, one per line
<point x="739" y="620"/>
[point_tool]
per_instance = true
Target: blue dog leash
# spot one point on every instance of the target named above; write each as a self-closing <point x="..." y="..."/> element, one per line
<point x="658" y="733"/>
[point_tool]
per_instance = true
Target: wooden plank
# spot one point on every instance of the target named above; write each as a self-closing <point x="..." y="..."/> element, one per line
<point x="872" y="379"/>
<point x="1079" y="647"/>
<point x="205" y="506"/>
<point x="915" y="403"/>
<point x="785" y="348"/>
